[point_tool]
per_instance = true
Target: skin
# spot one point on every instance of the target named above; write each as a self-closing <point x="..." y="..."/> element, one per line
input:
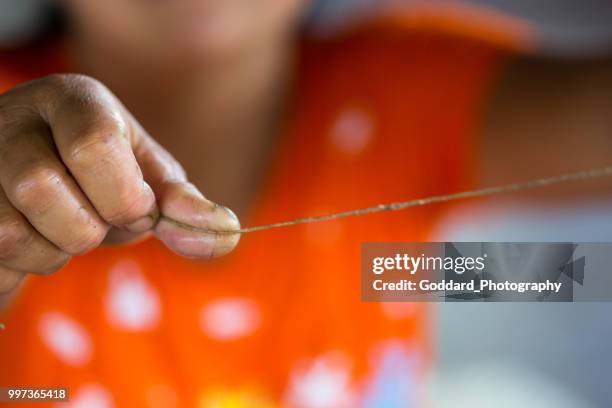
<point x="66" y="141"/>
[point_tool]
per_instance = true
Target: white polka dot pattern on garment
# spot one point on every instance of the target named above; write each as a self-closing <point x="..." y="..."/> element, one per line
<point x="230" y="318"/>
<point x="323" y="382"/>
<point x="89" y="396"/>
<point x="131" y="302"/>
<point x="352" y="130"/>
<point x="66" y="338"/>
<point x="392" y="380"/>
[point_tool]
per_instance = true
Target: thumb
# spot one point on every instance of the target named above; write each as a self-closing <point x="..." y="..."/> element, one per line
<point x="188" y="220"/>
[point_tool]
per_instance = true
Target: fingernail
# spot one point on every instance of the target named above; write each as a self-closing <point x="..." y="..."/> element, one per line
<point x="224" y="219"/>
<point x="232" y="215"/>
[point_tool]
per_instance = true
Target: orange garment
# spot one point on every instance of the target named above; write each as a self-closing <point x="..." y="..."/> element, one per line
<point x="381" y="114"/>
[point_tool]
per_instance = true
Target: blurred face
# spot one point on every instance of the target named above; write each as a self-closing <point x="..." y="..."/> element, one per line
<point x="193" y="30"/>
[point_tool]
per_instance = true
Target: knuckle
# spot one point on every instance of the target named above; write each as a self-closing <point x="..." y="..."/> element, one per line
<point x="85" y="242"/>
<point x="129" y="205"/>
<point x="15" y="237"/>
<point x="36" y="189"/>
<point x="9" y="281"/>
<point x="96" y="146"/>
<point x="80" y="94"/>
<point x="54" y="82"/>
<point x="69" y="83"/>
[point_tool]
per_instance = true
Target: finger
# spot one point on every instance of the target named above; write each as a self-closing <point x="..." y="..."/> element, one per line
<point x="9" y="280"/>
<point x="93" y="135"/>
<point x="37" y="185"/>
<point x="181" y="201"/>
<point x="184" y="208"/>
<point x="22" y="248"/>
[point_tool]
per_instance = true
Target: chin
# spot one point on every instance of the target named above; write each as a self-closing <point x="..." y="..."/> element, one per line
<point x="209" y="44"/>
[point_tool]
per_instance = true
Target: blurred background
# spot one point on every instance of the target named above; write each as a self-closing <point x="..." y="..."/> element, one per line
<point x="565" y="27"/>
<point x="535" y="355"/>
<point x="527" y="355"/>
